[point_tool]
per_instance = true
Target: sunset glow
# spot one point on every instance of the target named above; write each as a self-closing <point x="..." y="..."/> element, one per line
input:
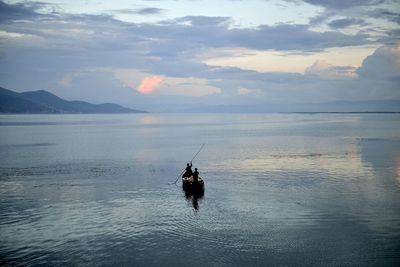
<point x="149" y="84"/>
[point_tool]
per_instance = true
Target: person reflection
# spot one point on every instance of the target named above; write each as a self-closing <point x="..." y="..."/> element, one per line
<point x="194" y="198"/>
<point x="195" y="202"/>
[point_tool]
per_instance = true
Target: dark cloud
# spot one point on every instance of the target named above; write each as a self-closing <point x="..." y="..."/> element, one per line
<point x="383" y="64"/>
<point x="321" y="18"/>
<point x="150" y="11"/>
<point x="294" y="37"/>
<point x="344" y="4"/>
<point x="203" y="21"/>
<point x="388" y="37"/>
<point x="25" y="11"/>
<point x="19" y="11"/>
<point x="385" y="14"/>
<point x="140" y="11"/>
<point x="203" y="32"/>
<point x="393" y="37"/>
<point x="343" y="23"/>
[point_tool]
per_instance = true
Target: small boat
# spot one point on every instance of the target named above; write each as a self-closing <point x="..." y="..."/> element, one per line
<point x="189" y="185"/>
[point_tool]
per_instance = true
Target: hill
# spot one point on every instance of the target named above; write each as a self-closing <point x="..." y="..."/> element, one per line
<point x="44" y="102"/>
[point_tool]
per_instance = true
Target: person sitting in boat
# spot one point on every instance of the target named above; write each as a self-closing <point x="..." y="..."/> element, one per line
<point x="195" y="176"/>
<point x="188" y="170"/>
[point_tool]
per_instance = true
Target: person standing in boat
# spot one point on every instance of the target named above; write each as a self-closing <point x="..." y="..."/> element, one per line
<point x="195" y="176"/>
<point x="188" y="170"/>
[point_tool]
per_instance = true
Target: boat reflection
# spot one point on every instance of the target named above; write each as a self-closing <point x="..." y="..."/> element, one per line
<point x="193" y="197"/>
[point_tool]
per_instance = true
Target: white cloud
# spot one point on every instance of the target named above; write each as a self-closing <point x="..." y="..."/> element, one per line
<point x="322" y="69"/>
<point x="5" y="34"/>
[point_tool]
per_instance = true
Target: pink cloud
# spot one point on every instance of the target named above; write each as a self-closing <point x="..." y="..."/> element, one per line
<point x="149" y="84"/>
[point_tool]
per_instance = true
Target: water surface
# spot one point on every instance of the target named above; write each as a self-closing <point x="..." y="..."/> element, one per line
<point x="281" y="189"/>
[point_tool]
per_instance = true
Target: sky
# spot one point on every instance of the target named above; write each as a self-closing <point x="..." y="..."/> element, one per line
<point x="169" y="55"/>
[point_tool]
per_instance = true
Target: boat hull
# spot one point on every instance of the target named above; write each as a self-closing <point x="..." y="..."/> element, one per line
<point x="189" y="185"/>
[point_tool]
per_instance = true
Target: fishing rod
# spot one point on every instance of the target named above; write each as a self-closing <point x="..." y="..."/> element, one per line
<point x="190" y="162"/>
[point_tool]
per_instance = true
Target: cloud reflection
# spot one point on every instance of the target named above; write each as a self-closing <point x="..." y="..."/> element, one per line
<point x="149" y="120"/>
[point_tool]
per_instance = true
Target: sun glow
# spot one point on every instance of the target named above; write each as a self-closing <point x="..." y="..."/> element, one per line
<point x="149" y="84"/>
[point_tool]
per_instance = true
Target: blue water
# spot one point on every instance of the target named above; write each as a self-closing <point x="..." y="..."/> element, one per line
<point x="281" y="189"/>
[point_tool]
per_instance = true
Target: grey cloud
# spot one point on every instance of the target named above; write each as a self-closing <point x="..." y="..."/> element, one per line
<point x="175" y="37"/>
<point x="295" y="37"/>
<point x="344" y="4"/>
<point x="202" y="21"/>
<point x="385" y="14"/>
<point x="140" y="11"/>
<point x="343" y="23"/>
<point x="18" y="11"/>
<point x="279" y="37"/>
<point x="232" y="73"/>
<point x="392" y="38"/>
<point x="149" y="11"/>
<point x="383" y="64"/>
<point x="321" y="18"/>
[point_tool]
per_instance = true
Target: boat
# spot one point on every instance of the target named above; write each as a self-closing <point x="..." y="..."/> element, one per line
<point x="189" y="186"/>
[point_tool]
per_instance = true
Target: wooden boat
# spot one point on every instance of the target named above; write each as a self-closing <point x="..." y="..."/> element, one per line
<point x="189" y="185"/>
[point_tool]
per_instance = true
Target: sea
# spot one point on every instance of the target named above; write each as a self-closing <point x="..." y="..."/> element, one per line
<point x="280" y="190"/>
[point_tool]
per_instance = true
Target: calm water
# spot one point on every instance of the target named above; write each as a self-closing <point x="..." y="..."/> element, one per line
<point x="284" y="189"/>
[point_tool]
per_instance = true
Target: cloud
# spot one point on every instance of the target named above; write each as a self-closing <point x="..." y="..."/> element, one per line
<point x="343" y="23"/>
<point x="149" y="84"/>
<point x="190" y="86"/>
<point x="204" y="21"/>
<point x="182" y="37"/>
<point x="177" y="86"/>
<point x="150" y="11"/>
<point x="24" y="10"/>
<point x="358" y="12"/>
<point x="322" y="69"/>
<point x="383" y="64"/>
<point x="10" y="35"/>
<point x="344" y="4"/>
<point x="245" y="91"/>
<point x="296" y="37"/>
<point x="166" y="64"/>
<point x="66" y="81"/>
<point x="385" y="14"/>
<point x="140" y="11"/>
<point x="203" y="32"/>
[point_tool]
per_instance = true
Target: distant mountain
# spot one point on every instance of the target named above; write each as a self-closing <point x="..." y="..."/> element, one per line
<point x="373" y="106"/>
<point x="44" y="102"/>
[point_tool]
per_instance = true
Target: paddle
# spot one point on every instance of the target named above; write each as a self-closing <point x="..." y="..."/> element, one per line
<point x="190" y="162"/>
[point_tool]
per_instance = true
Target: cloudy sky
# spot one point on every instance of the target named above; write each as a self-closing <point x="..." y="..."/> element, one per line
<point x="161" y="55"/>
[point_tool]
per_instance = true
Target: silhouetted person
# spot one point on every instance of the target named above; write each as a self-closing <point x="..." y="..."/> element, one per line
<point x="195" y="176"/>
<point x="188" y="170"/>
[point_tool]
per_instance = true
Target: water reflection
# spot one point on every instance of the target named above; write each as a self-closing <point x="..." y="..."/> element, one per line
<point x="382" y="156"/>
<point x="194" y="197"/>
<point x="149" y="120"/>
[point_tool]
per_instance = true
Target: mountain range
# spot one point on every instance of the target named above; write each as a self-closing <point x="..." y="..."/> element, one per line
<point x="44" y="102"/>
